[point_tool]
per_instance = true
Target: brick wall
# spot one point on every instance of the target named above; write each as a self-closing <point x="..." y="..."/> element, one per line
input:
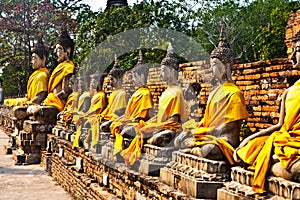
<point x="293" y="26"/>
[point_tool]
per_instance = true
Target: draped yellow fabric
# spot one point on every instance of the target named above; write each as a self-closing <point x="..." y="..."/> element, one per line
<point x="62" y="70"/>
<point x="137" y="107"/>
<point x="224" y="105"/>
<point x="72" y="100"/>
<point x="285" y="142"/>
<point x="38" y="82"/>
<point x="98" y="103"/>
<point x="70" y="107"/>
<point x="171" y="103"/>
<point x="16" y="102"/>
<point x="82" y="98"/>
<point x="53" y="100"/>
<point x="117" y="100"/>
<point x="225" y="147"/>
<point x="78" y="114"/>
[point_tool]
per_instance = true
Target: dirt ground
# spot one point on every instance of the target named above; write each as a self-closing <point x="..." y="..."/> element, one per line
<point x="26" y="181"/>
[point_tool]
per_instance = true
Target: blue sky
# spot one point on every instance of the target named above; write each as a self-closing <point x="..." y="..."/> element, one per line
<point x="96" y="4"/>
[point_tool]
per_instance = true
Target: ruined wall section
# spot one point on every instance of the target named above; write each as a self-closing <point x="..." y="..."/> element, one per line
<point x="293" y="26"/>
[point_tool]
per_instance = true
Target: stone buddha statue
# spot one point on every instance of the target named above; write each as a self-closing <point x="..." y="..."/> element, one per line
<point x="58" y="87"/>
<point x="38" y="81"/>
<point x="161" y="129"/>
<point x="97" y="104"/>
<point x="218" y="133"/>
<point x="37" y="85"/>
<point x="115" y="108"/>
<point x="117" y="100"/>
<point x="72" y="102"/>
<point x="137" y="108"/>
<point x="277" y="147"/>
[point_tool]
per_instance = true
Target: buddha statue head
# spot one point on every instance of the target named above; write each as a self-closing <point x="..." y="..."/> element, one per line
<point x="140" y="71"/>
<point x="170" y="66"/>
<point x="73" y="83"/>
<point x="64" y="46"/>
<point x="296" y="51"/>
<point x="222" y="58"/>
<point x="116" y="74"/>
<point x="83" y="83"/>
<point x="39" y="55"/>
<point x="94" y="82"/>
<point x="101" y="82"/>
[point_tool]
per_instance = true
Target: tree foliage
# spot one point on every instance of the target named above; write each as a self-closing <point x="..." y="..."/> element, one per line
<point x="255" y="30"/>
<point x="22" y="23"/>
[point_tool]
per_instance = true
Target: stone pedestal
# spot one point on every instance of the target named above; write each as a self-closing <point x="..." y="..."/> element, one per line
<point x="105" y="146"/>
<point x="31" y="141"/>
<point x="197" y="177"/>
<point x="241" y="187"/>
<point x="154" y="158"/>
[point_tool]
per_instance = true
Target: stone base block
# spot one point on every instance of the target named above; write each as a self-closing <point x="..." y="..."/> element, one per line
<point x="38" y="127"/>
<point x="8" y="149"/>
<point x="107" y="151"/>
<point x="31" y="158"/>
<point x="68" y="136"/>
<point x="167" y="176"/>
<point x="224" y="194"/>
<point x="150" y="168"/>
<point x="56" y="130"/>
<point x="19" y="158"/>
<point x="199" y="189"/>
<point x="279" y="187"/>
<point x="194" y="187"/>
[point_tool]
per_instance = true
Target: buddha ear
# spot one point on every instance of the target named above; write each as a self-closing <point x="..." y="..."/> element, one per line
<point x="68" y="52"/>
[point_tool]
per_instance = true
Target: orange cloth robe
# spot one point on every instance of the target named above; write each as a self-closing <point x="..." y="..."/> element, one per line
<point x="285" y="143"/>
<point x="171" y="103"/>
<point x="83" y="97"/>
<point x="59" y="73"/>
<point x="225" y="104"/>
<point x="137" y="107"/>
<point x="117" y="100"/>
<point x="37" y="82"/>
<point x="70" y="107"/>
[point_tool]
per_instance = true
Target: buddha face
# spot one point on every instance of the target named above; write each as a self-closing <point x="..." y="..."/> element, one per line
<point x="296" y="55"/>
<point x="80" y="87"/>
<point x="62" y="55"/>
<point x="37" y="62"/>
<point x="218" y="68"/>
<point x="138" y="79"/>
<point x="165" y="73"/>
<point x="93" y="84"/>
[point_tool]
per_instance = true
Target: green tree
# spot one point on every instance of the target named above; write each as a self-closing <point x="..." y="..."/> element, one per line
<point x="22" y="22"/>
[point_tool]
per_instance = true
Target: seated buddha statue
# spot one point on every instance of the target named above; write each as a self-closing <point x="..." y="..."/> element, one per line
<point x="276" y="149"/>
<point x="84" y="99"/>
<point x="161" y="129"/>
<point x="72" y="102"/>
<point x="58" y="87"/>
<point x="97" y="105"/>
<point x="138" y="105"/>
<point x="218" y="133"/>
<point x="116" y="104"/>
<point x="37" y="85"/>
